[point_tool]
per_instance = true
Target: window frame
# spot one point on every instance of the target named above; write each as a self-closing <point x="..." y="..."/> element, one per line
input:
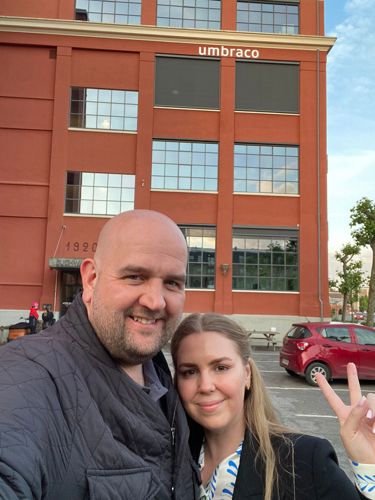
<point x="174" y="20"/>
<point x="200" y="262"/>
<point x="182" y="157"/>
<point x="263" y="267"/>
<point x="107" y="107"/>
<point x="250" y="168"/>
<point x="104" y="190"/>
<point x="261" y="15"/>
<point x="116" y="17"/>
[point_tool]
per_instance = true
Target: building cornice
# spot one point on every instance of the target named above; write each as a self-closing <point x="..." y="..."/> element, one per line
<point x="70" y="28"/>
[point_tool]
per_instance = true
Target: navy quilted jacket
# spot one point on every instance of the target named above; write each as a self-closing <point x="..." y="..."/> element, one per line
<point x="75" y="426"/>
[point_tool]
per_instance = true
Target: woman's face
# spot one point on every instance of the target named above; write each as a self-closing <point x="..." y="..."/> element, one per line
<point x="211" y="380"/>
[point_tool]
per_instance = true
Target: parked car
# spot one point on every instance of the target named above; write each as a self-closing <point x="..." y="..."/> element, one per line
<point x="358" y="315"/>
<point x="322" y="347"/>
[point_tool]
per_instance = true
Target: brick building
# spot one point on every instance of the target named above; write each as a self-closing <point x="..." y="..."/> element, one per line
<point x="211" y="112"/>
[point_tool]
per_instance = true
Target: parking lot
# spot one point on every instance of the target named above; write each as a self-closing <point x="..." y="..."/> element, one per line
<point x="301" y="406"/>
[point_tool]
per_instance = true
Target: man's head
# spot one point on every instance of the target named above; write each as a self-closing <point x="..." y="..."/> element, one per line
<point x="133" y="288"/>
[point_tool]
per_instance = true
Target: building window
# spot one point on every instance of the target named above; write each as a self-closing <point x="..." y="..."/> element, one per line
<point x="267" y="87"/>
<point x="90" y="193"/>
<point x="201" y="243"/>
<point x="265" y="259"/>
<point x="184" y="82"/>
<point x="265" y="169"/>
<point x="109" y="11"/>
<point x="184" y="165"/>
<point x="200" y="14"/>
<point x="267" y="17"/>
<point x="104" y="109"/>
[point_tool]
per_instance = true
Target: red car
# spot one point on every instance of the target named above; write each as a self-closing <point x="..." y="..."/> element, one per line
<point x="311" y="348"/>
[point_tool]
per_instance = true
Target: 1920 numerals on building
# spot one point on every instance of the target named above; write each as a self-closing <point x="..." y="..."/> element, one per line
<point x="80" y="246"/>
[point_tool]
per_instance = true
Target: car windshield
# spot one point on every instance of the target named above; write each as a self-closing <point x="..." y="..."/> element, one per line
<point x="298" y="332"/>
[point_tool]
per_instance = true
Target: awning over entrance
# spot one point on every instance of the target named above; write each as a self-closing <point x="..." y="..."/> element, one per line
<point x="60" y="263"/>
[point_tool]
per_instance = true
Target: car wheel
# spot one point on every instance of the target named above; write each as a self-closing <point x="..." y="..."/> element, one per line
<point x="290" y="372"/>
<point x="313" y="370"/>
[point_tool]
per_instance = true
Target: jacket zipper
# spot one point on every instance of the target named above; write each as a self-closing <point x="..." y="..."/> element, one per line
<point x="173" y="441"/>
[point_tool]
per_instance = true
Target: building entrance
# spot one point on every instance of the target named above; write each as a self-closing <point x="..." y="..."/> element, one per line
<point x="70" y="285"/>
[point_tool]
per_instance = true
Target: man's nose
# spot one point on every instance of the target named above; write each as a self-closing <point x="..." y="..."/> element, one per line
<point x="153" y="296"/>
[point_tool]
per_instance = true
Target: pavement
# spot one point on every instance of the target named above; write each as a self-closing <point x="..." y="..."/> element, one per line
<point x="300" y="406"/>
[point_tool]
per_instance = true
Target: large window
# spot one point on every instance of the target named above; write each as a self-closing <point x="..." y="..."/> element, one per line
<point x="90" y="193"/>
<point x="265" y="259"/>
<point x="201" y="243"/>
<point x="267" y="17"/>
<point x="267" y="87"/>
<point x="184" y="82"/>
<point x="104" y="109"/>
<point x="265" y="169"/>
<point x="189" y="13"/>
<point x="109" y="11"/>
<point x="184" y="165"/>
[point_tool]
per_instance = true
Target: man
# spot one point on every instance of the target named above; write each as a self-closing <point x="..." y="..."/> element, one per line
<point x="88" y="410"/>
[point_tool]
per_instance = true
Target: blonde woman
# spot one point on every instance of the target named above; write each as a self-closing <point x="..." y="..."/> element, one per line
<point x="243" y="451"/>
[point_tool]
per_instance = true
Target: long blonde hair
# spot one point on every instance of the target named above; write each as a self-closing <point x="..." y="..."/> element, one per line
<point x="260" y="416"/>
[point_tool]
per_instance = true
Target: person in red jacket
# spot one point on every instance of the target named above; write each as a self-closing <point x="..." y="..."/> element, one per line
<point x="33" y="317"/>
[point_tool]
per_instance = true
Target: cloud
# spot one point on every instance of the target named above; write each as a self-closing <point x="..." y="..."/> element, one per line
<point x="350" y="178"/>
<point x="351" y="117"/>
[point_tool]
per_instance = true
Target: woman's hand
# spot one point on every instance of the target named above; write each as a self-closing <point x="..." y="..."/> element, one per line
<point x="357" y="421"/>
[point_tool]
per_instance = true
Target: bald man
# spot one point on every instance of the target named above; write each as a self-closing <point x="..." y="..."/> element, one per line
<point x="88" y="409"/>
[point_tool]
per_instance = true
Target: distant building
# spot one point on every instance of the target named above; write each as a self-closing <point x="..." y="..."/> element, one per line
<point x="211" y="112"/>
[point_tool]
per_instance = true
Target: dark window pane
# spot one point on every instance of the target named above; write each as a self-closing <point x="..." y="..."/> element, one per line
<point x="268" y="87"/>
<point x="187" y="83"/>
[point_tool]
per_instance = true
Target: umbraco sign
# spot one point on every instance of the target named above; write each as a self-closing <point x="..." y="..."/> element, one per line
<point x="222" y="51"/>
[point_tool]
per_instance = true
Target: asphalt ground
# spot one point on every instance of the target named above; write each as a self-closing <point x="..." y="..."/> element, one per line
<point x="300" y="406"/>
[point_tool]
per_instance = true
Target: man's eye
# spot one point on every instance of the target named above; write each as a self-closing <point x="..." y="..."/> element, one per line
<point x="174" y="284"/>
<point x="134" y="277"/>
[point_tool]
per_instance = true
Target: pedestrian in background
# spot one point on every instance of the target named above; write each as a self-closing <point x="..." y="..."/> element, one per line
<point x="47" y="317"/>
<point x="33" y="317"/>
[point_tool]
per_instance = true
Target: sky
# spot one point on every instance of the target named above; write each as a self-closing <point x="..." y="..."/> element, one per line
<point x="350" y="116"/>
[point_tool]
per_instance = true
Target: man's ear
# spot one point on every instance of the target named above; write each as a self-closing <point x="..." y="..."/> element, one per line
<point x="89" y="276"/>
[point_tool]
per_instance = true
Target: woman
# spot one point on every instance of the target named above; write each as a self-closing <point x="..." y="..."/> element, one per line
<point x="244" y="452"/>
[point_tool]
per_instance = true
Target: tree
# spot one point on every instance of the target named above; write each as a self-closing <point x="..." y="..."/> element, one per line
<point x="363" y="303"/>
<point x="362" y="220"/>
<point x="351" y="277"/>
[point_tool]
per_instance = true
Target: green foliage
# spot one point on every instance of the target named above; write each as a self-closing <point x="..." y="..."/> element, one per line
<point x="351" y="277"/>
<point x="362" y="220"/>
<point x="363" y="303"/>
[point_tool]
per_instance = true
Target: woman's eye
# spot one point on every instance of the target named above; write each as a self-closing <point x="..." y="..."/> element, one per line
<point x="188" y="373"/>
<point x="222" y="368"/>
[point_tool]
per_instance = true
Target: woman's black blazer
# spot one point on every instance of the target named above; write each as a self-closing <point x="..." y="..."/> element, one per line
<point x="316" y="473"/>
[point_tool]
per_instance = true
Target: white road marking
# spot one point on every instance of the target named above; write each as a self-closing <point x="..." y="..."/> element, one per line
<point x="307" y="388"/>
<point x="266" y="361"/>
<point x="314" y="416"/>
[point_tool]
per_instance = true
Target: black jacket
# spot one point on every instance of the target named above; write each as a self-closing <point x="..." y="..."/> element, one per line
<point x="312" y="459"/>
<point x="75" y="426"/>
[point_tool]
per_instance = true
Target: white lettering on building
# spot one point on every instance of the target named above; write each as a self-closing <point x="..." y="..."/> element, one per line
<point x="222" y="51"/>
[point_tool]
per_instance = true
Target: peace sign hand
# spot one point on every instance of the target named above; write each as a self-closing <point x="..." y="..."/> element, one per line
<point x="357" y="422"/>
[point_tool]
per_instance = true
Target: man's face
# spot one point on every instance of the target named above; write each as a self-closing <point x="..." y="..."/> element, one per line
<point x="138" y="295"/>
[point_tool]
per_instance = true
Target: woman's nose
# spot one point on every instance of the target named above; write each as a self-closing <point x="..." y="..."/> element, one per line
<point x="206" y="383"/>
